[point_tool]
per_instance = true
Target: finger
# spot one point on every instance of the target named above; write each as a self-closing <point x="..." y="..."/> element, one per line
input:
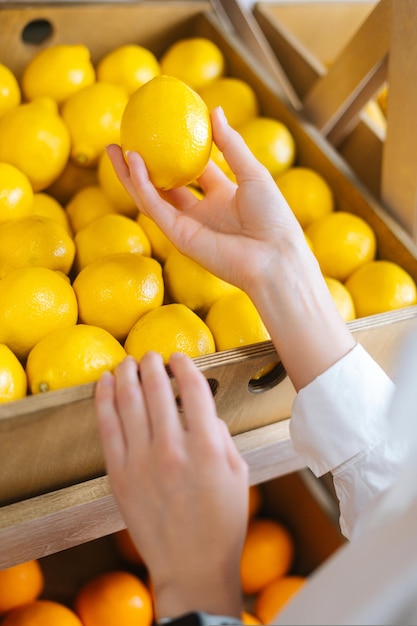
<point x="110" y="428"/>
<point x="122" y="170"/>
<point x="181" y="198"/>
<point x="196" y="396"/>
<point x="236" y="152"/>
<point x="160" y="399"/>
<point x="131" y="405"/>
<point x="236" y="461"/>
<point x="213" y="178"/>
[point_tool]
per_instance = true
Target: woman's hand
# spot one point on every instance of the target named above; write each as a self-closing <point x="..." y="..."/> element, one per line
<point x="182" y="490"/>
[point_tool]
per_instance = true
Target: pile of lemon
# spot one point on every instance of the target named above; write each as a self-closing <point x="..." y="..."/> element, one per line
<point x="84" y="278"/>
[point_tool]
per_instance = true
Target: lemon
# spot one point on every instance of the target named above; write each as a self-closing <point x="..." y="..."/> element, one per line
<point x="93" y="115"/>
<point x="380" y="286"/>
<point x="191" y="284"/>
<point x="271" y="142"/>
<point x="128" y="66"/>
<point x="237" y="98"/>
<point x="234" y="322"/>
<point x="87" y="205"/>
<point x="71" y="180"/>
<point x="195" y="60"/>
<point x="16" y="193"/>
<point x="46" y="205"/>
<point x="107" y="235"/>
<point x="342" y="242"/>
<point x="58" y="72"/>
<point x="114" y="291"/>
<point x="13" y="380"/>
<point x="35" y="139"/>
<point x="33" y="302"/>
<point x="35" y="241"/>
<point x="167" y="329"/>
<point x="307" y="192"/>
<point x="10" y="94"/>
<point x="161" y="246"/>
<point x="113" y="188"/>
<point x="342" y="298"/>
<point x="169" y="125"/>
<point x="72" y="356"/>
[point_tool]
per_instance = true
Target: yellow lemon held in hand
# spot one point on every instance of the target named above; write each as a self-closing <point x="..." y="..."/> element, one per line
<point x="235" y="322"/>
<point x="342" y="298"/>
<point x="169" y="125"/>
<point x="13" y="381"/>
<point x="160" y="244"/>
<point x="191" y="284"/>
<point x="33" y="302"/>
<point x="35" y="139"/>
<point x="197" y="61"/>
<point x="308" y="194"/>
<point x="236" y="97"/>
<point x="46" y="205"/>
<point x="113" y="292"/>
<point x="72" y="356"/>
<point x="93" y="115"/>
<point x="167" y="329"/>
<point x="129" y="66"/>
<point x="380" y="286"/>
<point x="73" y="179"/>
<point x="271" y="142"/>
<point x="274" y="596"/>
<point x="341" y="242"/>
<point x="10" y="94"/>
<point x="16" y="193"/>
<point x="107" y="235"/>
<point x="86" y="205"/>
<point x="113" y="188"/>
<point x="57" y="72"/>
<point x="35" y="241"/>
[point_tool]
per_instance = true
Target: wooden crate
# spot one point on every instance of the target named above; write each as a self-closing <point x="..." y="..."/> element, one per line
<point x="53" y="491"/>
<point x="337" y="56"/>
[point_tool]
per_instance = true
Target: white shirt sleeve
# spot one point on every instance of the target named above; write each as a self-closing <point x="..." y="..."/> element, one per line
<point x="340" y="424"/>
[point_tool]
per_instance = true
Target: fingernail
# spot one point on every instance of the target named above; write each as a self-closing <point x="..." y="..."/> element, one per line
<point x="222" y="114"/>
<point x="106" y="379"/>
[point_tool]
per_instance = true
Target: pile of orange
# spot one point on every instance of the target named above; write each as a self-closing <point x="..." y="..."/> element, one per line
<point x="76" y="257"/>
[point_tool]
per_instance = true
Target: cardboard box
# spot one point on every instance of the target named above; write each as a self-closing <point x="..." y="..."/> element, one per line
<point x="51" y="468"/>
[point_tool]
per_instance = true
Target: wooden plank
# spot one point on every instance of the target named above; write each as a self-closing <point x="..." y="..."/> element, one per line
<point x="353" y="78"/>
<point x="399" y="165"/>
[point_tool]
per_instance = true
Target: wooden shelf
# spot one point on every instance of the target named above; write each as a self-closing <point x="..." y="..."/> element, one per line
<point x="68" y="517"/>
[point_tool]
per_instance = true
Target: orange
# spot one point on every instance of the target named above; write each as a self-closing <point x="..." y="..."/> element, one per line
<point x="341" y="242"/>
<point x="272" y="598"/>
<point x="115" y="597"/>
<point x="197" y="61"/>
<point x="167" y="329"/>
<point x="271" y="142"/>
<point x="249" y="619"/>
<point x="307" y="192"/>
<point x="381" y="286"/>
<point x="42" y="613"/>
<point x="107" y="235"/>
<point x="70" y="356"/>
<point x="127" y="548"/>
<point x="255" y="500"/>
<point x="268" y="553"/>
<point x="236" y="97"/>
<point x="20" y="584"/>
<point x="169" y="124"/>
<point x="114" y="291"/>
<point x="86" y="205"/>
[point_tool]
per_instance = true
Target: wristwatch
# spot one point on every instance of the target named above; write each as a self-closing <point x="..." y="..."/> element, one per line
<point x="198" y="618"/>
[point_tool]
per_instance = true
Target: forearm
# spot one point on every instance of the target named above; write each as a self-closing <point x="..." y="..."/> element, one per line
<point x="300" y="314"/>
